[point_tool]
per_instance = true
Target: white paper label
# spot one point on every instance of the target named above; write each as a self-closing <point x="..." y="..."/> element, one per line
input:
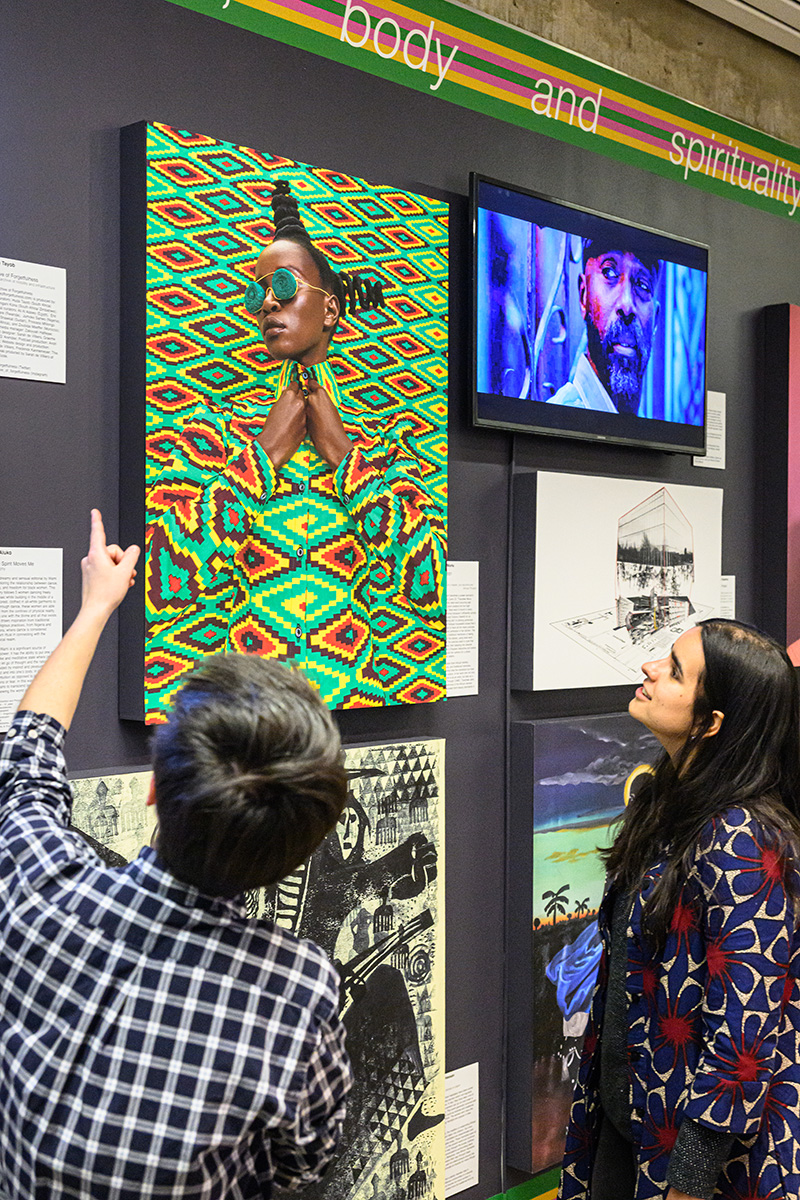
<point x="461" y="1165"/>
<point x="33" y="321"/>
<point x="727" y="597"/>
<point x="462" y="629"/>
<point x="715" y="433"/>
<point x="30" y="619"/>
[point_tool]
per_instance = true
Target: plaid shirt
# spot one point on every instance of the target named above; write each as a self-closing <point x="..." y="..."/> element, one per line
<point x="153" y="1041"/>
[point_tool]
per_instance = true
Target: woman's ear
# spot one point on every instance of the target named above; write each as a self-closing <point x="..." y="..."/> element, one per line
<point x="715" y="724"/>
<point x="151" y="795"/>
<point x="331" y="312"/>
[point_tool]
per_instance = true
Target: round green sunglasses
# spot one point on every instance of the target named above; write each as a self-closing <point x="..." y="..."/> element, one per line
<point x="284" y="285"/>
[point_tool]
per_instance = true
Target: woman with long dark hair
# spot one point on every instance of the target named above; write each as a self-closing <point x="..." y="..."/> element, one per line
<point x="689" y="1084"/>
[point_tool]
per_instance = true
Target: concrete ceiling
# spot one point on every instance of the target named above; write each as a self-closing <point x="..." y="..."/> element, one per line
<point x="776" y="21"/>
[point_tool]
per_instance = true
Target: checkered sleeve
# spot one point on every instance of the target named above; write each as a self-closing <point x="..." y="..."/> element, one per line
<point x="35" y="801"/>
<point x="302" y="1150"/>
<point x="201" y="510"/>
<point x="32" y="768"/>
<point x="401" y="524"/>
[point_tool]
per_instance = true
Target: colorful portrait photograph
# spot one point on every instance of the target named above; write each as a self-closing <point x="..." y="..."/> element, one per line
<point x="296" y="423"/>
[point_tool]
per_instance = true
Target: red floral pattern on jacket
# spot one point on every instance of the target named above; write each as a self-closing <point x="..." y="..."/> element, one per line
<point x="714" y="1024"/>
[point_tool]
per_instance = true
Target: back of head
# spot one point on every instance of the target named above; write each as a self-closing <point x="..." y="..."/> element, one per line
<point x="289" y="227"/>
<point x="248" y="775"/>
<point x="756" y="753"/>
<point x="361" y="293"/>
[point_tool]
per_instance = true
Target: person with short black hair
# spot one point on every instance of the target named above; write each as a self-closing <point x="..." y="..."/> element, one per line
<point x="689" y="1083"/>
<point x="247" y="775"/>
<point x="155" y="1041"/>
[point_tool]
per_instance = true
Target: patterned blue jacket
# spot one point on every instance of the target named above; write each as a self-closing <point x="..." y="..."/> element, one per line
<point x="714" y="1024"/>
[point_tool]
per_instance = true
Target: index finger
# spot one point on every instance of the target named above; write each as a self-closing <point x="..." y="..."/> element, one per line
<point x="97" y="537"/>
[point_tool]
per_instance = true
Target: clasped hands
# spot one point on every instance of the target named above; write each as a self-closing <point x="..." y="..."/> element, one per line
<point x="293" y="417"/>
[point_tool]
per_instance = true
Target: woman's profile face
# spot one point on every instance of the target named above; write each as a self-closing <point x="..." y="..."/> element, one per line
<point x="665" y="702"/>
<point x="298" y="328"/>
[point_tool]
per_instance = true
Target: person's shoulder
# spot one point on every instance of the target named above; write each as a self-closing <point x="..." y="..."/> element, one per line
<point x="293" y="965"/>
<point x="241" y="406"/>
<point x="738" y="838"/>
<point x="728" y="824"/>
<point x="356" y="412"/>
<point x="741" y="859"/>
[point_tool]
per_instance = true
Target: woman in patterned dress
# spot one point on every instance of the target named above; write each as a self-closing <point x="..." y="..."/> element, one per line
<point x="689" y="1084"/>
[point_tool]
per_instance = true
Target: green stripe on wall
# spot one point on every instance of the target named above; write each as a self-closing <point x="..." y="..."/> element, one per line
<point x="557" y="63"/>
<point x="539" y="1186"/>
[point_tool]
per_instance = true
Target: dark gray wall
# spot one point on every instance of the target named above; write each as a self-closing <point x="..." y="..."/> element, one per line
<point x="73" y="73"/>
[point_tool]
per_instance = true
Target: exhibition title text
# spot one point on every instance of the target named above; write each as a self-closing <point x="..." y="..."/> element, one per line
<point x="387" y="38"/>
<point x="467" y="58"/>
<point x="423" y="49"/>
<point x="766" y="176"/>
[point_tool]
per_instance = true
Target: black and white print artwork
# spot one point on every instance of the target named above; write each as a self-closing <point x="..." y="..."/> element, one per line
<point x="622" y="568"/>
<point x="372" y="896"/>
<point x="111" y="810"/>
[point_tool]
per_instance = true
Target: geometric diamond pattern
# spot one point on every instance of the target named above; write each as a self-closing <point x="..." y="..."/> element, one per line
<point x="419" y="645"/>
<point x="311" y="593"/>
<point x="403" y="1090"/>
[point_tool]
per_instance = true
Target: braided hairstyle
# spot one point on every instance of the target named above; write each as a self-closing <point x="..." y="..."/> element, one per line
<point x="289" y="227"/>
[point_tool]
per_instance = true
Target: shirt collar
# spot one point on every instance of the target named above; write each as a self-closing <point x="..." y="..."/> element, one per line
<point x="150" y="873"/>
<point x="324" y="375"/>
<point x="588" y="384"/>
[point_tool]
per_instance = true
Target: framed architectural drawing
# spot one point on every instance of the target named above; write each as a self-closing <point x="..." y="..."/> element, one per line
<point x="569" y="783"/>
<point x="372" y="896"/>
<point x="339" y="569"/>
<point x="607" y="574"/>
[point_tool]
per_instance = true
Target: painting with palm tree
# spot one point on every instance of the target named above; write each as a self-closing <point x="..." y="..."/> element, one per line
<point x="579" y="773"/>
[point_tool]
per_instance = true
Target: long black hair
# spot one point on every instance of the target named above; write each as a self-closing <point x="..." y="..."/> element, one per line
<point x="752" y="762"/>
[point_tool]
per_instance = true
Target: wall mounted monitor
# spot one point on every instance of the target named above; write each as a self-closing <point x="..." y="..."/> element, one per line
<point x="584" y="325"/>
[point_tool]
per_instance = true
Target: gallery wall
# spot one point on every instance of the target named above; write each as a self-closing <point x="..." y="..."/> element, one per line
<point x="72" y="75"/>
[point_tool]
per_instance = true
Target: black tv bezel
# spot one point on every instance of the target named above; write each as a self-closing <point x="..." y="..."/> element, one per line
<point x="586" y="424"/>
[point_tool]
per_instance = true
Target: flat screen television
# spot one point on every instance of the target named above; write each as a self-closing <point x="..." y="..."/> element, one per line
<point x="584" y="325"/>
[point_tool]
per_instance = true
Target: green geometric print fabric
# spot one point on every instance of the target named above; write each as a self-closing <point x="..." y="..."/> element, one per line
<point x="342" y="574"/>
